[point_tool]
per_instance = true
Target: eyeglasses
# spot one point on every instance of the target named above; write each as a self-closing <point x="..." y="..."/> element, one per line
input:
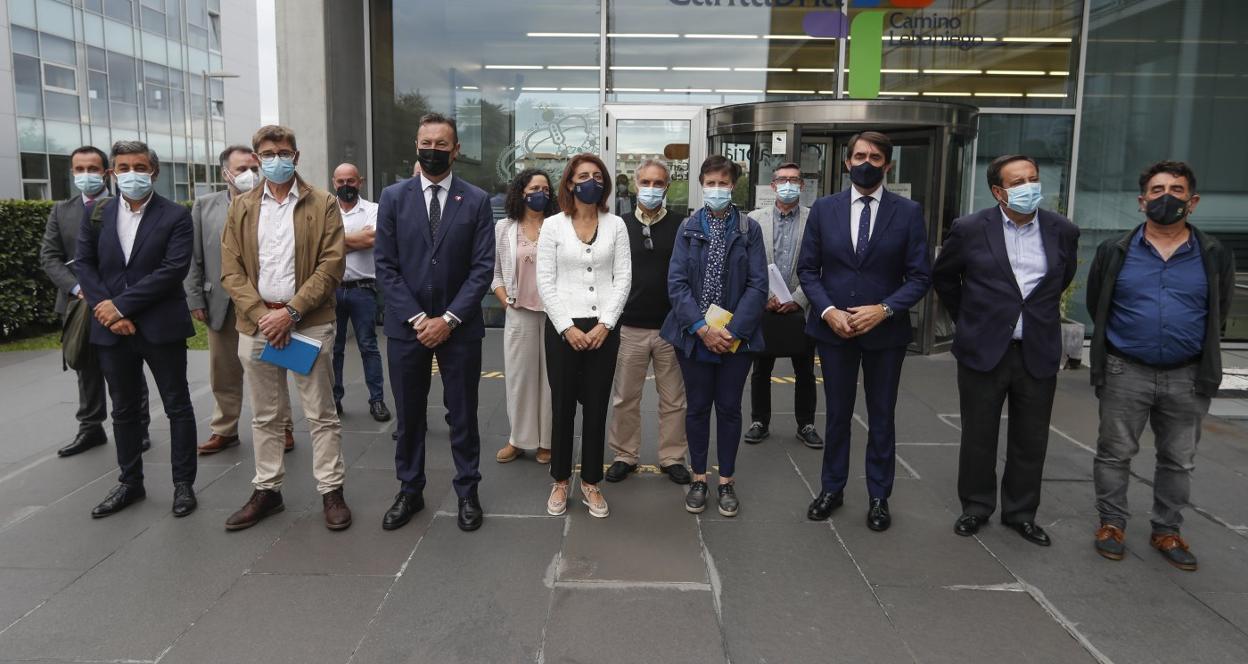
<point x="284" y="154"/>
<point x="645" y="238"/>
<point x="789" y="180"/>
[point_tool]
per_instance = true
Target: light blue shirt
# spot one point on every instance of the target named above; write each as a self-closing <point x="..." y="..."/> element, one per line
<point x="1025" y="248"/>
<point x="784" y="241"/>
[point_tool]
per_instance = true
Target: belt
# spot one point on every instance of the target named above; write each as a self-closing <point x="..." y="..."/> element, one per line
<point x="359" y="283"/>
<point x="275" y="305"/>
<point x="1113" y="350"/>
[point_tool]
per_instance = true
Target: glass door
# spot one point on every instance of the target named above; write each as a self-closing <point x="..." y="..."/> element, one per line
<point x="634" y="133"/>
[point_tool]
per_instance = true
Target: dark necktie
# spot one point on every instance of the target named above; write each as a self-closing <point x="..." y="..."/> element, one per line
<point x="864" y="227"/>
<point x="435" y="209"/>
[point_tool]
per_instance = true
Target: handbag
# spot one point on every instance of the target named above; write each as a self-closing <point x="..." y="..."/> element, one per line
<point x="74" y="335"/>
<point x="784" y="335"/>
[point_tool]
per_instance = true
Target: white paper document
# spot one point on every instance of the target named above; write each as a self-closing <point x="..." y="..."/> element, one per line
<point x="777" y="285"/>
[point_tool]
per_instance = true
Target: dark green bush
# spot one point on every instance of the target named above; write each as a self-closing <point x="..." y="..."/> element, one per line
<point x="27" y="297"/>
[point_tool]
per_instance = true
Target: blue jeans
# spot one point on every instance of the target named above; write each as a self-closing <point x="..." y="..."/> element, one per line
<point x="359" y="306"/>
<point x="720" y="385"/>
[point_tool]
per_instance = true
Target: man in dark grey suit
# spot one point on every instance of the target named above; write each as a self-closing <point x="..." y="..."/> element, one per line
<point x="210" y="303"/>
<point x="60" y="241"/>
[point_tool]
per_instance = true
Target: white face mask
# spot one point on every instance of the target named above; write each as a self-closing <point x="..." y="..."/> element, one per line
<point x="245" y="181"/>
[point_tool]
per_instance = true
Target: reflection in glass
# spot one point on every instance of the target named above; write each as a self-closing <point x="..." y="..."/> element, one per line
<point x="639" y="140"/>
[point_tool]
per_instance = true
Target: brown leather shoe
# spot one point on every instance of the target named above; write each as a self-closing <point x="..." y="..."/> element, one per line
<point x="337" y="514"/>
<point x="216" y="443"/>
<point x="508" y="454"/>
<point x="263" y="503"/>
<point x="543" y="456"/>
<point x="290" y="440"/>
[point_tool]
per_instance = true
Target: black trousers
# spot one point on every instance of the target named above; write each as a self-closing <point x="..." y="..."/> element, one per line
<point x="804" y="396"/>
<point x="583" y="376"/>
<point x="123" y="368"/>
<point x="92" y="402"/>
<point x="1027" y="434"/>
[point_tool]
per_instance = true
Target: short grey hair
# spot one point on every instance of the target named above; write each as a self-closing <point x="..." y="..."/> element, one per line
<point x="136" y="147"/>
<point x="654" y="161"/>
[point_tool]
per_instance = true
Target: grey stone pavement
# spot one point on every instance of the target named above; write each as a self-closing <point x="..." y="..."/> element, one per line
<point x="649" y="584"/>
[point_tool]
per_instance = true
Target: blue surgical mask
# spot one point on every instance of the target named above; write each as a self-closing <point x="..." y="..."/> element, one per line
<point x="716" y="198"/>
<point x="89" y="183"/>
<point x="277" y="169"/>
<point x="135" y="186"/>
<point x="1024" y="198"/>
<point x="651" y="197"/>
<point x="788" y="193"/>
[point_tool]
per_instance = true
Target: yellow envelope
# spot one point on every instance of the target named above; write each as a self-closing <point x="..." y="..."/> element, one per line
<point x="719" y="317"/>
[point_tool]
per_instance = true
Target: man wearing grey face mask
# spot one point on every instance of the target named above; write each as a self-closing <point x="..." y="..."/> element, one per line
<point x="210" y="303"/>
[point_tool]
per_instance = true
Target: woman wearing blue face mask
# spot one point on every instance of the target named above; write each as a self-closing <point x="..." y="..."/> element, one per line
<point x="515" y="286"/>
<point x="719" y="261"/>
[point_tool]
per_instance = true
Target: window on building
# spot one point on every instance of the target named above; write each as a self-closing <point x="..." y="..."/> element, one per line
<point x="153" y="20"/>
<point x="120" y="10"/>
<point x="28" y="84"/>
<point x="60" y="79"/>
<point x="97" y="97"/>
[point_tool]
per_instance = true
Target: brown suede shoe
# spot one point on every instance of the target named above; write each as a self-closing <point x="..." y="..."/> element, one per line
<point x="543" y="456"/>
<point x="216" y="443"/>
<point x="508" y="454"/>
<point x="290" y="440"/>
<point x="263" y="503"/>
<point x="337" y="514"/>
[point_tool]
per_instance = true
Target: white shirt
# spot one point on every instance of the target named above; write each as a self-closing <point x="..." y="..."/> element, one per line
<point x="358" y="218"/>
<point x="1025" y="247"/>
<point x="855" y="213"/>
<point x="128" y="224"/>
<point x="578" y="280"/>
<point x="276" y="239"/>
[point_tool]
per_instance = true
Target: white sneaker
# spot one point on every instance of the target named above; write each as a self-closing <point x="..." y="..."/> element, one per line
<point x="557" y="503"/>
<point x="594" y="501"/>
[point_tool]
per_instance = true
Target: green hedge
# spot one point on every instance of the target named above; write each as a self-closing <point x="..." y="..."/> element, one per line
<point x="27" y="297"/>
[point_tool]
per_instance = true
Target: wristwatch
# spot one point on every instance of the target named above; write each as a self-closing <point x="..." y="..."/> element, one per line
<point x="888" y="311"/>
<point x="294" y="315"/>
<point x="450" y="321"/>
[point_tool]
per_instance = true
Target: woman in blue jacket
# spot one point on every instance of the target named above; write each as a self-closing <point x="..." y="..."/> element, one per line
<point x="719" y="260"/>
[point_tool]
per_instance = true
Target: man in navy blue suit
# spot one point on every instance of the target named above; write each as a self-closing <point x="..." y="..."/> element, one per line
<point x="863" y="265"/>
<point x="131" y="261"/>
<point x="1001" y="274"/>
<point x="434" y="254"/>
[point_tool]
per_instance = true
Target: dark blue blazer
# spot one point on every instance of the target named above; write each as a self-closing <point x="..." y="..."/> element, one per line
<point x="147" y="290"/>
<point x="976" y="284"/>
<point x="419" y="273"/>
<point x="745" y="282"/>
<point x="895" y="269"/>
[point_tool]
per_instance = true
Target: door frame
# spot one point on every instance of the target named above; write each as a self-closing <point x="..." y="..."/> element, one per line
<point x="694" y="114"/>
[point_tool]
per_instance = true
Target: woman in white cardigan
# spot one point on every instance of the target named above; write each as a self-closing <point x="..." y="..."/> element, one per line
<point x="515" y="286"/>
<point x="584" y="272"/>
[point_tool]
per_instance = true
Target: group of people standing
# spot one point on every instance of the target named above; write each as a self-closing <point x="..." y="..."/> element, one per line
<point x="593" y="300"/>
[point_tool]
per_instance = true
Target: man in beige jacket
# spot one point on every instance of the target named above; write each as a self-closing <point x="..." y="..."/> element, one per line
<point x="282" y="256"/>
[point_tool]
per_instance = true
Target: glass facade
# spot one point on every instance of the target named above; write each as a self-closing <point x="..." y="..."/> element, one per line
<point x="97" y="71"/>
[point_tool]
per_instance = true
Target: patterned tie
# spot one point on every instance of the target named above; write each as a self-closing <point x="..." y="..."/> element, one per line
<point x="435" y="209"/>
<point x="864" y="227"/>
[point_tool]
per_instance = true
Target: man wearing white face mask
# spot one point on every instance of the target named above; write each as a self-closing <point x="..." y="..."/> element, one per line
<point x="1000" y="274"/>
<point x="211" y="304"/>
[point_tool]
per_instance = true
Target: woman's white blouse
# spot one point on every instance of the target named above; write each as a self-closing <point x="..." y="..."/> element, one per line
<point x="578" y="280"/>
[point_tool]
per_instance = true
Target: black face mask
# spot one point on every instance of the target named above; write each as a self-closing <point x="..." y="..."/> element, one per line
<point x="537" y="201"/>
<point x="347" y="194"/>
<point x="588" y="192"/>
<point x="434" y="162"/>
<point x="866" y="175"/>
<point x="1166" y="210"/>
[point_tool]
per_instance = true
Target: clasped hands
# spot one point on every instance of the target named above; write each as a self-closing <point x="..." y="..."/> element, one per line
<point x="431" y="331"/>
<point x="591" y="340"/>
<point x="854" y="321"/>
<point x="716" y="339"/>
<point x="774" y="306"/>
<point x="106" y="313"/>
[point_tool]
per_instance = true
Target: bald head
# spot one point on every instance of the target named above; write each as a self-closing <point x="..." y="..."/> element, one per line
<point x="347" y="184"/>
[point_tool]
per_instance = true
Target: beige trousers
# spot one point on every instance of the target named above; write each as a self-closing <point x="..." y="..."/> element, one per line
<point x="638" y="346"/>
<point x="270" y="406"/>
<point x="225" y="376"/>
<point x="528" y="389"/>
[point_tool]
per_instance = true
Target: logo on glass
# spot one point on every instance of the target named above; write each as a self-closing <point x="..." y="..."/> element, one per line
<point x="866" y="32"/>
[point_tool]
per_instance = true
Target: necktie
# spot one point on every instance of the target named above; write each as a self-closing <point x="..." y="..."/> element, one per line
<point x="435" y="209"/>
<point x="864" y="227"/>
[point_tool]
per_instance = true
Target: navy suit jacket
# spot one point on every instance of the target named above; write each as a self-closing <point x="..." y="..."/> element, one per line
<point x="976" y="284"/>
<point x="147" y="290"/>
<point x="895" y="270"/>
<point x="419" y="273"/>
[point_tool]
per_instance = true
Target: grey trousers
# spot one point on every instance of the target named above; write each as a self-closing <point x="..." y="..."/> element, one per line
<point x="1133" y="395"/>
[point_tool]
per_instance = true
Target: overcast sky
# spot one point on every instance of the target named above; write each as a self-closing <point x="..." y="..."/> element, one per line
<point x="266" y="55"/>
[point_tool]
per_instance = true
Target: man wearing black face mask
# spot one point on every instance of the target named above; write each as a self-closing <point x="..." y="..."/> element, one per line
<point x="1159" y="296"/>
<point x="357" y="294"/>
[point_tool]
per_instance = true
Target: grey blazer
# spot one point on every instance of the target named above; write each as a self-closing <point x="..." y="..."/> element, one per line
<point x="203" y="281"/>
<point x="763" y="217"/>
<point x="60" y="245"/>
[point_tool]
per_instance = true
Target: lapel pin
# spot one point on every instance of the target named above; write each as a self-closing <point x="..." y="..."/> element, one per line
<point x="458" y="198"/>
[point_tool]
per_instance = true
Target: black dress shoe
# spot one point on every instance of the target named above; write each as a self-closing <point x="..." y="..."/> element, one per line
<point x="756" y="433"/>
<point x="147" y="443"/>
<point x="1031" y="532"/>
<point x="620" y="470"/>
<point x="677" y="473"/>
<point x="878" y="518"/>
<point x="184" y="501"/>
<point x="810" y="437"/>
<point x="969" y="524"/>
<point x="84" y="441"/>
<point x="470" y="513"/>
<point x="121" y="497"/>
<point x="379" y="411"/>
<point x="823" y="506"/>
<point x="405" y="506"/>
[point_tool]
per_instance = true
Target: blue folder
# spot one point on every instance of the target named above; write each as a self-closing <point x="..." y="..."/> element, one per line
<point x="299" y="355"/>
